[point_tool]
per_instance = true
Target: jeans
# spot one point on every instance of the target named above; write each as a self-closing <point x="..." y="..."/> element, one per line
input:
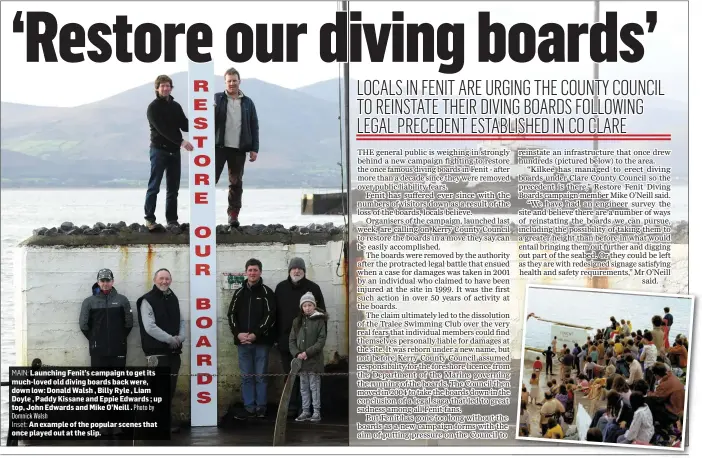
<point x="235" y="160"/>
<point x="163" y="161"/>
<point x="253" y="360"/>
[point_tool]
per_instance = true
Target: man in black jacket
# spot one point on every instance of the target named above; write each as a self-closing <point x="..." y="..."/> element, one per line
<point x="236" y="133"/>
<point x="166" y="121"/>
<point x="251" y="318"/>
<point x="287" y="295"/>
<point x="162" y="327"/>
<point x="106" y="320"/>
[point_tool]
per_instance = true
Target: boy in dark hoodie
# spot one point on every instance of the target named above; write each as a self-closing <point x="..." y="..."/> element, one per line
<point x="307" y="338"/>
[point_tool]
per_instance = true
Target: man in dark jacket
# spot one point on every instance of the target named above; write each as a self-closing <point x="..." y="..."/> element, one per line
<point x="166" y="121"/>
<point x="251" y="318"/>
<point x="162" y="327"/>
<point x="287" y="296"/>
<point x="236" y="133"/>
<point x="106" y="320"/>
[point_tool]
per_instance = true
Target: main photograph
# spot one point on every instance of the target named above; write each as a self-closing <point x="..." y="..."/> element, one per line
<point x="97" y="216"/>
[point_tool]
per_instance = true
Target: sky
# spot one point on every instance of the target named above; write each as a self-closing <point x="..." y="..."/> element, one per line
<point x="65" y="84"/>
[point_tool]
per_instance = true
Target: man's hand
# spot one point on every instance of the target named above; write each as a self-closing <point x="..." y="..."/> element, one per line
<point x="251" y="337"/>
<point x="174" y="343"/>
<point x="252" y="156"/>
<point x="302" y="356"/>
<point x="243" y="337"/>
<point x="187" y="145"/>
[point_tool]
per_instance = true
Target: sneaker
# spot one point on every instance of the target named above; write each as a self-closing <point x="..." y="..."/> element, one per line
<point x="173" y="223"/>
<point x="150" y="225"/>
<point x="243" y="414"/>
<point x="304" y="416"/>
<point x="316" y="417"/>
<point x="261" y="413"/>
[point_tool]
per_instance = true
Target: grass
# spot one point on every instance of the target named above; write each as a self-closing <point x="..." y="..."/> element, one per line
<point x="40" y="147"/>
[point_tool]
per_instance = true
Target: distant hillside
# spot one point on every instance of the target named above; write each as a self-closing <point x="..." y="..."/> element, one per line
<point x="106" y="142"/>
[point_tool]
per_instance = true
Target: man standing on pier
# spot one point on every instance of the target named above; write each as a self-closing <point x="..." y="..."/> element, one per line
<point x="236" y="133"/>
<point x="251" y="319"/>
<point x="162" y="328"/>
<point x="166" y="121"/>
<point x="106" y="320"/>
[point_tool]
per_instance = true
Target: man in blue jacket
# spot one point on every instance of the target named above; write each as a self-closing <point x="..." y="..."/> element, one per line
<point x="236" y="133"/>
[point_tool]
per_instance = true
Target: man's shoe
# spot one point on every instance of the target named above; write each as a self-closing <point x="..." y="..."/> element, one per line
<point x="261" y="413"/>
<point x="304" y="416"/>
<point x="150" y="225"/>
<point x="234" y="218"/>
<point x="316" y="417"/>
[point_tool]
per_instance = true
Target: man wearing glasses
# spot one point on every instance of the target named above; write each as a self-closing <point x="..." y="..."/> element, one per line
<point x="106" y="320"/>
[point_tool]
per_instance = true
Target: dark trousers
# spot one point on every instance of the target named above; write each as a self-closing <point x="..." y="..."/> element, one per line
<point x="295" y="401"/>
<point x="235" y="161"/>
<point x="108" y="361"/>
<point x="549" y="367"/>
<point x="660" y="412"/>
<point x="168" y="162"/>
<point x="116" y="362"/>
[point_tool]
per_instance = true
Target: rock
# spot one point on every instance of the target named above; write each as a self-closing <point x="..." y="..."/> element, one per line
<point x="52" y="231"/>
<point x="304" y="230"/>
<point x="328" y="226"/>
<point x="249" y="230"/>
<point x="67" y="226"/>
<point x="267" y="231"/>
<point x="91" y="232"/>
<point x="134" y="227"/>
<point x="40" y="231"/>
<point x="99" y="226"/>
<point x="334" y="231"/>
<point x="84" y="227"/>
<point x="222" y="229"/>
<point x="121" y="225"/>
<point x="175" y="230"/>
<point x="294" y="228"/>
<point x="185" y="227"/>
<point x="142" y="229"/>
<point x="282" y="230"/>
<point x="109" y="231"/>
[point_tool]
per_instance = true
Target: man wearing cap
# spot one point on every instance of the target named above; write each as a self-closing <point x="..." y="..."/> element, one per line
<point x="288" y="294"/>
<point x="162" y="327"/>
<point x="106" y="320"/>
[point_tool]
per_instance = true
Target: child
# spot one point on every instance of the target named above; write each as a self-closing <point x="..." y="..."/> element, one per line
<point x="535" y="394"/>
<point x="307" y="339"/>
<point x="537" y="367"/>
<point x="525" y="395"/>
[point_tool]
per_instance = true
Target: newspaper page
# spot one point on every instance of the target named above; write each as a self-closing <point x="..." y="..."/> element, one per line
<point x="516" y="154"/>
<point x="348" y="224"/>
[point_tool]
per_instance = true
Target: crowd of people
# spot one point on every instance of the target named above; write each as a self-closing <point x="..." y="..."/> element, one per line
<point x="640" y="374"/>
<point x="291" y="317"/>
